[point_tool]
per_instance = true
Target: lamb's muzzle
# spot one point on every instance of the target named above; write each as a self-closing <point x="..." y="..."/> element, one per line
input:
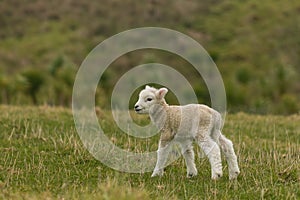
<point x="186" y="124"/>
<point x="137" y="109"/>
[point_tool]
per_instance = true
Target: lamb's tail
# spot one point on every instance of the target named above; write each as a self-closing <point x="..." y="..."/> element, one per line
<point x="217" y="126"/>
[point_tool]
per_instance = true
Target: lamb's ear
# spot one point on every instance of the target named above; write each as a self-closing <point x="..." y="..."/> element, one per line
<point x="161" y="93"/>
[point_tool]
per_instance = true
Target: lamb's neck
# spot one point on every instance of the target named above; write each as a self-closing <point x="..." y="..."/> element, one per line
<point x="158" y="114"/>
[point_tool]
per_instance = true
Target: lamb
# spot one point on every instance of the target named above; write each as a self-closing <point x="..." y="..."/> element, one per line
<point x="186" y="124"/>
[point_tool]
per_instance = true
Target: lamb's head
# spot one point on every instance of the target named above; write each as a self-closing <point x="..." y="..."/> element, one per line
<point x="150" y="97"/>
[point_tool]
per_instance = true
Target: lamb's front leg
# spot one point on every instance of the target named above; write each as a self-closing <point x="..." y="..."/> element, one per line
<point x="189" y="156"/>
<point x="162" y="155"/>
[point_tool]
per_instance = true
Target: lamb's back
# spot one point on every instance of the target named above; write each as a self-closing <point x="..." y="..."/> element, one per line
<point x="190" y="118"/>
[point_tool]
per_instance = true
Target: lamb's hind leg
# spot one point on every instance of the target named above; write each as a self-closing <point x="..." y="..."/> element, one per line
<point x="227" y="148"/>
<point x="212" y="150"/>
<point x="189" y="156"/>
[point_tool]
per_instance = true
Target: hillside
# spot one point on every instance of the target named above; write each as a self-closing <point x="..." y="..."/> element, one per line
<point x="255" y="44"/>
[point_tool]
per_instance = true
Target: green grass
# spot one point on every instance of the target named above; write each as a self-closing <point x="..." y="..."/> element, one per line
<point x="42" y="157"/>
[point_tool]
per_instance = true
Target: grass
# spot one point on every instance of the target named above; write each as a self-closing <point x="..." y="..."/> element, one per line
<point x="42" y="157"/>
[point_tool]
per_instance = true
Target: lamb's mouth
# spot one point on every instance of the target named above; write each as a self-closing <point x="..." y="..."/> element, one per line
<point x="139" y="110"/>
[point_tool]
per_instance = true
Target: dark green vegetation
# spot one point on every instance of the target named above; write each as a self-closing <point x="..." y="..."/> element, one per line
<point x="42" y="157"/>
<point x="255" y="44"/>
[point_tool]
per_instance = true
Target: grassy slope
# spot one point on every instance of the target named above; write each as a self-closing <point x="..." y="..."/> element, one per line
<point x="42" y="157"/>
<point x="238" y="34"/>
<point x="247" y="39"/>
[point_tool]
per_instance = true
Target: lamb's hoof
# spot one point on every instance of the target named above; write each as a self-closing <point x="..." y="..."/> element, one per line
<point x="157" y="173"/>
<point x="216" y="176"/>
<point x="192" y="173"/>
<point x="233" y="175"/>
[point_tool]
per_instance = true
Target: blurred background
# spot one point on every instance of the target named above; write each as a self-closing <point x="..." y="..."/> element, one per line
<point x="255" y="44"/>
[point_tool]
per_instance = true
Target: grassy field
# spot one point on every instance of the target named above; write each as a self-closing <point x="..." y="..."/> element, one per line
<point x="42" y="157"/>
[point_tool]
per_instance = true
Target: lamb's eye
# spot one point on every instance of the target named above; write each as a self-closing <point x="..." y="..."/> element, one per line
<point x="149" y="99"/>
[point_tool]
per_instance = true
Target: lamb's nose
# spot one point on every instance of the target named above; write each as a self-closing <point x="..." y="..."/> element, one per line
<point x="136" y="106"/>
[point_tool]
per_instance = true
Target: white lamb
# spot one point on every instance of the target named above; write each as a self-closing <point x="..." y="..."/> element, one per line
<point x="185" y="124"/>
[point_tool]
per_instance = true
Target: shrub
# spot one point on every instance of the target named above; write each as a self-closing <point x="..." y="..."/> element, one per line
<point x="34" y="79"/>
<point x="288" y="105"/>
